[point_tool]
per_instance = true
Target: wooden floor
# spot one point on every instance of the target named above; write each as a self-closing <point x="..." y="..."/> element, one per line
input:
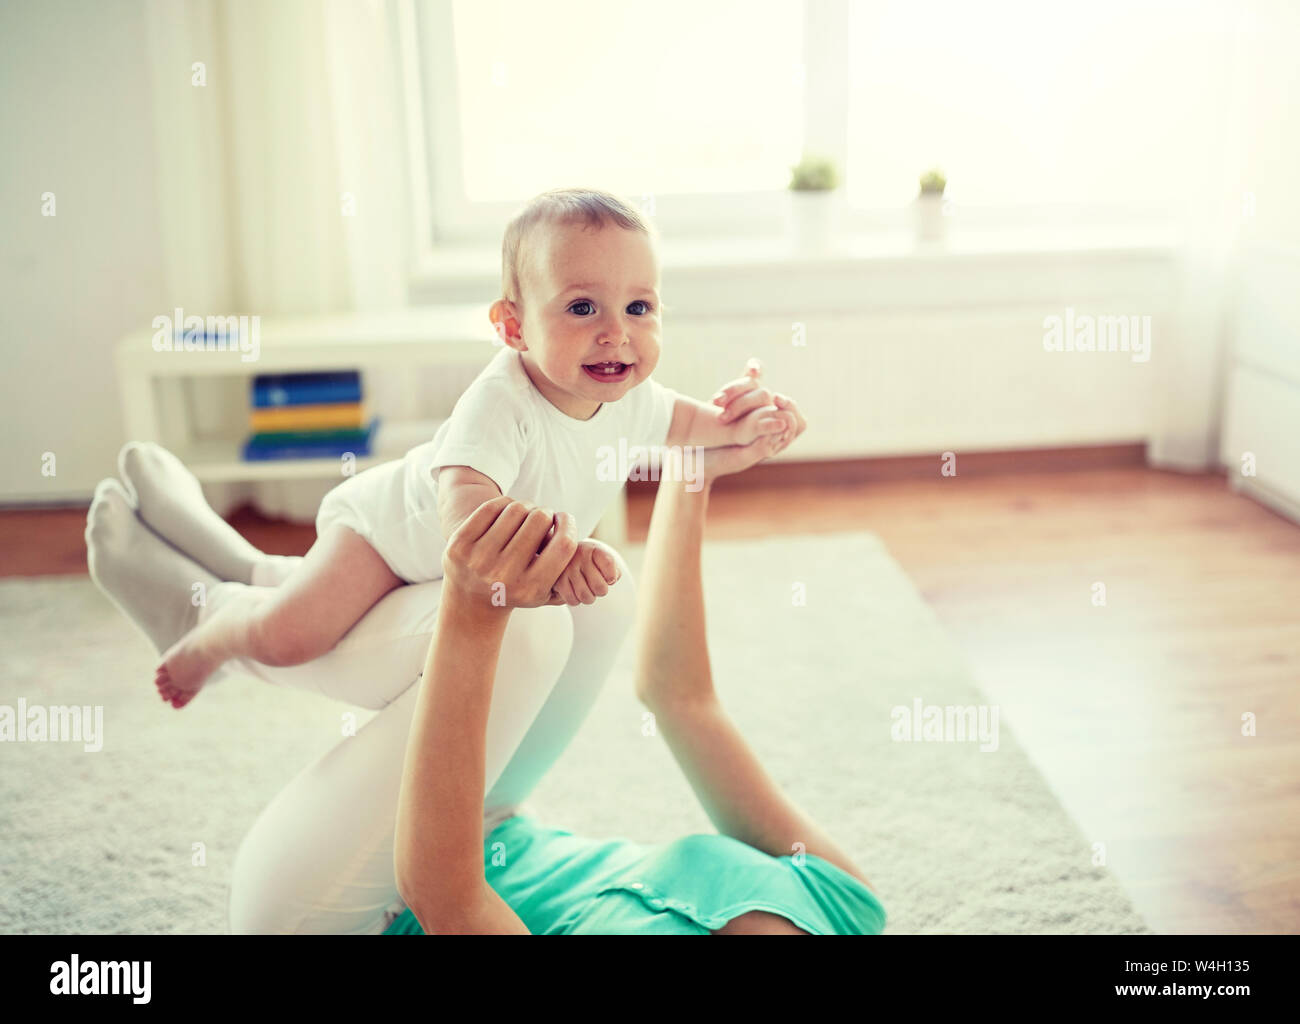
<point x="1133" y="711"/>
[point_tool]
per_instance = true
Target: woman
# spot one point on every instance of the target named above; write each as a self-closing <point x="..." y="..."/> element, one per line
<point x="321" y="857"/>
<point x="527" y="878"/>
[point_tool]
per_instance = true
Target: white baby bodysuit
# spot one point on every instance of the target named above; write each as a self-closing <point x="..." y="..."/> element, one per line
<point x="506" y="429"/>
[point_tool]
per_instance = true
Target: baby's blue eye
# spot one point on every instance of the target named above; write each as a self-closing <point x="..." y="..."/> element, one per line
<point x="636" y="302"/>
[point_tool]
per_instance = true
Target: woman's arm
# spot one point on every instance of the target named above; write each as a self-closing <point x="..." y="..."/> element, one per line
<point x="438" y="844"/>
<point x="674" y="681"/>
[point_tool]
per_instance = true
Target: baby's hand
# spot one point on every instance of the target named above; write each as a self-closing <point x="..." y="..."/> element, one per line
<point x="750" y="410"/>
<point x="590" y="573"/>
<point x="752" y="425"/>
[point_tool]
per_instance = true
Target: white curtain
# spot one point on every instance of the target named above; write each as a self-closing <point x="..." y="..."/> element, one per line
<point x="283" y="178"/>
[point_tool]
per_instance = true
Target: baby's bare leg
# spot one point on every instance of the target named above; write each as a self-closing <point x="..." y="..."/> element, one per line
<point x="339" y="580"/>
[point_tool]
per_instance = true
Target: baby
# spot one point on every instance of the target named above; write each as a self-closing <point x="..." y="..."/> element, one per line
<point x="580" y="327"/>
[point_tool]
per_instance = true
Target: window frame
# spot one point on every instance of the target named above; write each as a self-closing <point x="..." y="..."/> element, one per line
<point x="444" y="218"/>
<point x="453" y="220"/>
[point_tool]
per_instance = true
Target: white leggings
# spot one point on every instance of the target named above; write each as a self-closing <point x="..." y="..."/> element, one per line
<point x="319" y="858"/>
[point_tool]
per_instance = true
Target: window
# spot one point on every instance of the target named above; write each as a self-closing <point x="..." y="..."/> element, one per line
<point x="697" y="109"/>
<point x="676" y="99"/>
<point x="1022" y="102"/>
<point x="669" y="96"/>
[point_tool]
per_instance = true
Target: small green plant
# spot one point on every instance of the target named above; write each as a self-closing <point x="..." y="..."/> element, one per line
<point x="933" y="182"/>
<point x="814" y="174"/>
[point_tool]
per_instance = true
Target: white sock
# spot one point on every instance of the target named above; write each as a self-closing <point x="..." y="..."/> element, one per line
<point x="170" y="500"/>
<point x="149" y="581"/>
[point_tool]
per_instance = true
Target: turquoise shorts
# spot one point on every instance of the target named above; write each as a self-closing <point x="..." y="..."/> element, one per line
<point x="562" y="884"/>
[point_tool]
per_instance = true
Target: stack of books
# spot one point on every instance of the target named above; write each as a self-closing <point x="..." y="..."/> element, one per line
<point x="308" y="416"/>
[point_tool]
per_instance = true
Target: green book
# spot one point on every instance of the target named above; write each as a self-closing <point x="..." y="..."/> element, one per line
<point x="274" y="438"/>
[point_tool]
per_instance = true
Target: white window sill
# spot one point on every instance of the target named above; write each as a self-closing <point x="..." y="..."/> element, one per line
<point x="473" y="265"/>
<point x="706" y="277"/>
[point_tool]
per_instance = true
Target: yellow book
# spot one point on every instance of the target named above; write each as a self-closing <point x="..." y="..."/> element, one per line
<point x="329" y="416"/>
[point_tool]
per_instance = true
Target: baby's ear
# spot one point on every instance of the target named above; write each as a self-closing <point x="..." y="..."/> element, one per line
<point x="505" y="321"/>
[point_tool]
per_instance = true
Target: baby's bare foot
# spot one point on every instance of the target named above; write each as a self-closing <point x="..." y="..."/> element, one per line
<point x="183" y="672"/>
<point x="193" y="659"/>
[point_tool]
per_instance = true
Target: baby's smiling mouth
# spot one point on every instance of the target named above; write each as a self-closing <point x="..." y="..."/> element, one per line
<point x="607" y="370"/>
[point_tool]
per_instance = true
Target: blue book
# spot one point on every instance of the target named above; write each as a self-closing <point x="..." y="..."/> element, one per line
<point x="327" y="447"/>
<point x="271" y="390"/>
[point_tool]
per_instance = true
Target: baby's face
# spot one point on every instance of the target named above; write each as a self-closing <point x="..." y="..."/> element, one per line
<point x="591" y="296"/>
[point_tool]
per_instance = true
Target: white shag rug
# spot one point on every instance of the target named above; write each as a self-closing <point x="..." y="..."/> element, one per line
<point x="953" y="839"/>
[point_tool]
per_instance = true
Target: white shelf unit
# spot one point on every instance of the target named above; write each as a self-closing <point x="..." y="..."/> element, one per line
<point x="449" y="337"/>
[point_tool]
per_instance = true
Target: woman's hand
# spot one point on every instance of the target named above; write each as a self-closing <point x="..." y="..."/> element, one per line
<point x="493" y="555"/>
<point x="747" y="398"/>
<point x="736" y="458"/>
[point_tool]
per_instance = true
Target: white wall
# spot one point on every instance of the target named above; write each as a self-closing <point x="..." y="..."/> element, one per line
<point x="1261" y="414"/>
<point x="1270" y="114"/>
<point x="75" y="120"/>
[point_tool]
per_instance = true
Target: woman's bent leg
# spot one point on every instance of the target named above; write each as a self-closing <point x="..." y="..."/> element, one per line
<point x="319" y="859"/>
<point x="599" y="632"/>
<point x="382" y="655"/>
<point x="294" y="623"/>
<point x="373" y="664"/>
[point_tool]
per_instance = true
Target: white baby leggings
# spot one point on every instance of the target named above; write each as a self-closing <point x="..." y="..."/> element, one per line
<point x="319" y="858"/>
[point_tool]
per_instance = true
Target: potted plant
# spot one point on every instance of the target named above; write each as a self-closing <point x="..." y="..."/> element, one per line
<point x="931" y="220"/>
<point x="813" y="202"/>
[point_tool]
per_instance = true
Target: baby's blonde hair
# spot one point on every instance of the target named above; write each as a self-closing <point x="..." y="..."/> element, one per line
<point x="561" y="206"/>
